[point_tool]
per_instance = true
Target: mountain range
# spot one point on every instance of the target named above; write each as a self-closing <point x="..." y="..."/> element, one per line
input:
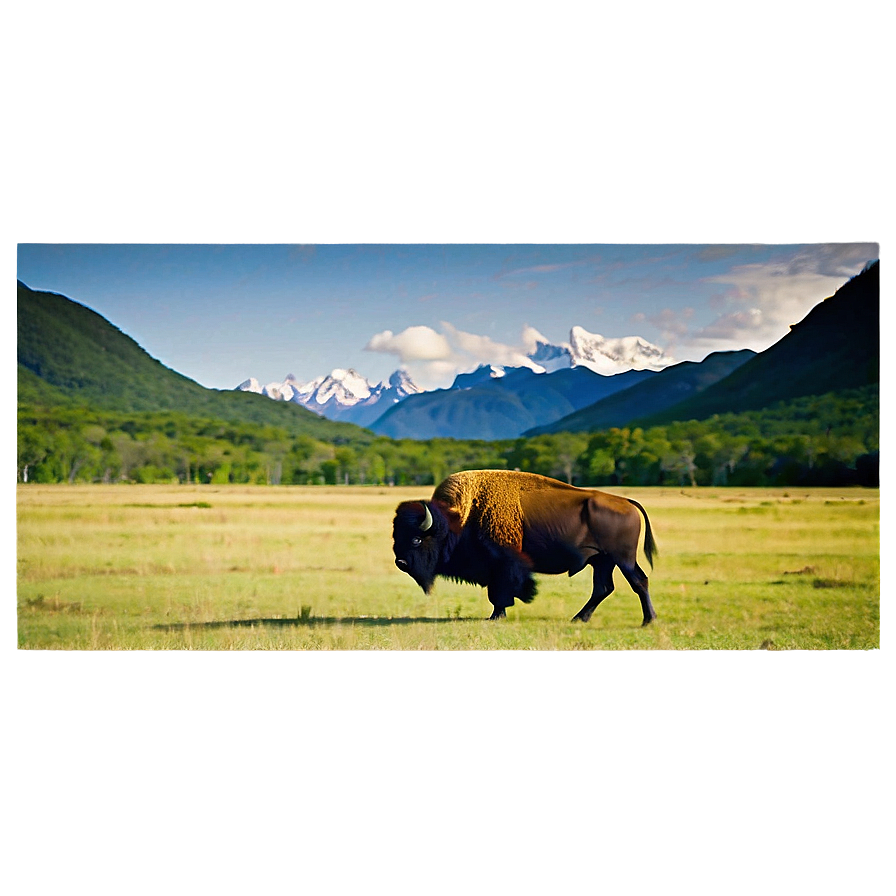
<point x="341" y="395"/>
<point x="835" y="347"/>
<point x="510" y="407"/>
<point x="69" y="355"/>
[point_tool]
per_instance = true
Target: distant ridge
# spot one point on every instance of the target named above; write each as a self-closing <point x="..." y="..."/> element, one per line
<point x="70" y="354"/>
<point x="835" y="346"/>
<point x="489" y="404"/>
<point x="666" y="388"/>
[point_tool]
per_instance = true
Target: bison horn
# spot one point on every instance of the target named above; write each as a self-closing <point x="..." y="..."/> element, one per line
<point x="426" y="525"/>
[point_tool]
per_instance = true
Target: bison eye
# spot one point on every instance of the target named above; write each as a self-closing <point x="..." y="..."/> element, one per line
<point x="416" y="540"/>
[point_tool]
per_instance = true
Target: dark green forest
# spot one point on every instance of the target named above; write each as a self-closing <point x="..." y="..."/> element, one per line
<point x="831" y="439"/>
<point x="93" y="406"/>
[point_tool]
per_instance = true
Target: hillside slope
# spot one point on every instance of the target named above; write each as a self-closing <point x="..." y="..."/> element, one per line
<point x="835" y="346"/>
<point x="501" y="407"/>
<point x="70" y="354"/>
<point x="668" y="387"/>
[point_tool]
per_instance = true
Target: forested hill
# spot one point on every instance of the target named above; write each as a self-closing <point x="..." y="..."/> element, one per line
<point x="68" y="354"/>
<point x="835" y="347"/>
<point x="95" y="407"/>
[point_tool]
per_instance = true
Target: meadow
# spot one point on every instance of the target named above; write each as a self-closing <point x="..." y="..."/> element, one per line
<point x="135" y="567"/>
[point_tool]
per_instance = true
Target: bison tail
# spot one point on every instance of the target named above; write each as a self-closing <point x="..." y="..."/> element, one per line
<point x="650" y="548"/>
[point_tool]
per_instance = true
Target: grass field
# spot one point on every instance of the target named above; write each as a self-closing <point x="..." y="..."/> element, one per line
<point x="246" y="568"/>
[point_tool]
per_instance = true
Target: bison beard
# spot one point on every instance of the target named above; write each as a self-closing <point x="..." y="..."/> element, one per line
<point x="495" y="528"/>
<point x="464" y="556"/>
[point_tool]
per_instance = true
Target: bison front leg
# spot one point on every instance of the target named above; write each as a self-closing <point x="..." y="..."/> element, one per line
<point x="510" y="579"/>
<point x="500" y="599"/>
<point x="603" y="585"/>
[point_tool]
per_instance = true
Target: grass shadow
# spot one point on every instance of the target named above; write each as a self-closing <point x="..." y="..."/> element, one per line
<point x="308" y="622"/>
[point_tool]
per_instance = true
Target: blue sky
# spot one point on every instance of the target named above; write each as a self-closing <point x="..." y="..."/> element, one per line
<point x="222" y="313"/>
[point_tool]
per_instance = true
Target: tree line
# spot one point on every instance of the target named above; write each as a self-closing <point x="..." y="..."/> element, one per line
<point x="820" y="440"/>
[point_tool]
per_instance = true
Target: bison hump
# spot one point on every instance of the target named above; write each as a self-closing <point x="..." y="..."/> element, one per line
<point x="488" y="500"/>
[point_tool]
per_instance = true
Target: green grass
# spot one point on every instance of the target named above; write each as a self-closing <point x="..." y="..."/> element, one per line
<point x="296" y="568"/>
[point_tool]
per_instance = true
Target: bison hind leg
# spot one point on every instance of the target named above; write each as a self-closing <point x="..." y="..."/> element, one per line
<point x="637" y="578"/>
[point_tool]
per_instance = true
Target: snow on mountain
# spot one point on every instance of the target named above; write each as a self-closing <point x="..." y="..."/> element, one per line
<point x="480" y="374"/>
<point x="598" y="353"/>
<point x="402" y="385"/>
<point x="297" y="388"/>
<point x="280" y="391"/>
<point x="344" y="387"/>
<point x="610" y="356"/>
<point x="344" y="394"/>
<point x="284" y="391"/>
<point x="546" y="355"/>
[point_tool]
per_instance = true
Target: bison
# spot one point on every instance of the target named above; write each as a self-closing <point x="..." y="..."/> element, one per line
<point x="496" y="527"/>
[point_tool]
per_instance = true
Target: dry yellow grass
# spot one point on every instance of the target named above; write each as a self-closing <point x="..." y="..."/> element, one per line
<point x="172" y="567"/>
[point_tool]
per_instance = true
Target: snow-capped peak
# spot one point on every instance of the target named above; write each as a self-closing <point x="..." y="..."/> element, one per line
<point x="402" y="383"/>
<point x="550" y="357"/>
<point x="346" y="387"/>
<point x="608" y="355"/>
<point x="598" y="353"/>
<point x="343" y="394"/>
<point x="280" y="391"/>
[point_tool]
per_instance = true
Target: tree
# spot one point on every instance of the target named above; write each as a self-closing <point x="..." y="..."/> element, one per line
<point x="377" y="467"/>
<point x="275" y="450"/>
<point x="346" y="461"/>
<point x="680" y="462"/>
<point x="330" y="470"/>
<point x="32" y="448"/>
<point x="568" y="448"/>
<point x="73" y="453"/>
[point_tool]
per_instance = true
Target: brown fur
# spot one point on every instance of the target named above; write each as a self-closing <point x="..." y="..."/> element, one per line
<point x="492" y="499"/>
<point x="496" y="501"/>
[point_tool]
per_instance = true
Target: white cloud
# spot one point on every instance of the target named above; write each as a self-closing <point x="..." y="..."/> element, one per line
<point x="531" y="338"/>
<point x="433" y="359"/>
<point x="749" y="306"/>
<point x="758" y="303"/>
<point x="774" y="297"/>
<point x="672" y="323"/>
<point x="412" y="344"/>
<point x="484" y="350"/>
<point x="432" y="374"/>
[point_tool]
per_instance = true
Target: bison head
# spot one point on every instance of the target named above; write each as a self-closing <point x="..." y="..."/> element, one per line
<point x="418" y="533"/>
